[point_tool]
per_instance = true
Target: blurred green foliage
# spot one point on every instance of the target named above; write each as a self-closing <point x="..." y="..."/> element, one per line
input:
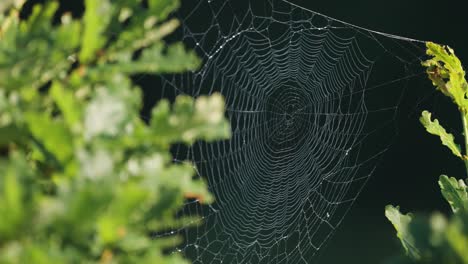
<point x="437" y="239"/>
<point x="82" y="178"/>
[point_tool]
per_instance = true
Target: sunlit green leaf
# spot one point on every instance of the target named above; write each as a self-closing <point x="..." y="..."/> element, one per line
<point x="435" y="128"/>
<point x="68" y="104"/>
<point x="54" y="138"/>
<point x="96" y="19"/>
<point x="447" y="74"/>
<point x="16" y="196"/>
<point x="437" y="239"/>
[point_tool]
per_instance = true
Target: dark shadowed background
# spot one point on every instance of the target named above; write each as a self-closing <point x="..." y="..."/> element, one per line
<point x="408" y="174"/>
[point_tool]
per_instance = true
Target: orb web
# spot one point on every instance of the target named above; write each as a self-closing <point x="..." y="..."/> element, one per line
<point x="312" y="103"/>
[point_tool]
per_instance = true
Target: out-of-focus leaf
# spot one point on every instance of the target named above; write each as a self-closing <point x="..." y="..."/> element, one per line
<point x="6" y="4"/>
<point x="186" y="123"/>
<point x="457" y="236"/>
<point x="156" y="59"/>
<point x="95" y="164"/>
<point x="42" y="57"/>
<point x="175" y="58"/>
<point x="112" y="225"/>
<point x="10" y="134"/>
<point x="194" y="189"/>
<point x="133" y="242"/>
<point x="96" y="19"/>
<point x="401" y="222"/>
<point x="54" y="137"/>
<point x="162" y="8"/>
<point x="455" y="192"/>
<point x="434" y="128"/>
<point x="11" y="129"/>
<point x="110" y="112"/>
<point x="68" y="105"/>
<point x="423" y="238"/>
<point x="84" y="201"/>
<point x="133" y="40"/>
<point x="16" y="196"/>
<point x="101" y="179"/>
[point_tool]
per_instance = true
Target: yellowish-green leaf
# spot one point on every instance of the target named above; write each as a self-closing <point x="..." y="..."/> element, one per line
<point x="68" y="105"/>
<point x="434" y="128"/>
<point x="96" y="18"/>
<point x="15" y="196"/>
<point x="53" y="136"/>
<point x="447" y="74"/>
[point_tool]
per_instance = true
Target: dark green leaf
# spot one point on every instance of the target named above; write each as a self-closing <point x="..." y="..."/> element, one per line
<point x="402" y="222"/>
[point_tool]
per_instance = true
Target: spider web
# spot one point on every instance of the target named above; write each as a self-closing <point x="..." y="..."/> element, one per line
<point x="312" y="103"/>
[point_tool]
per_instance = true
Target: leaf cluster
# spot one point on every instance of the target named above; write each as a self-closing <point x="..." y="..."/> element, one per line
<point x="436" y="238"/>
<point x="83" y="179"/>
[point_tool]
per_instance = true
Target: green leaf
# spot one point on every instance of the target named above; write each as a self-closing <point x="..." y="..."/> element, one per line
<point x="173" y="59"/>
<point x="44" y="49"/>
<point x="434" y="128"/>
<point x="141" y="31"/>
<point x="189" y="119"/>
<point x="41" y="17"/>
<point x="11" y="129"/>
<point x="112" y="225"/>
<point x="155" y="59"/>
<point x="132" y="40"/>
<point x="10" y="134"/>
<point x="95" y="178"/>
<point x="162" y="8"/>
<point x="96" y="19"/>
<point x="16" y="196"/>
<point x="181" y="176"/>
<point x="402" y="222"/>
<point x="457" y="236"/>
<point x="447" y="74"/>
<point x="455" y="192"/>
<point x="67" y="104"/>
<point x="51" y="135"/>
